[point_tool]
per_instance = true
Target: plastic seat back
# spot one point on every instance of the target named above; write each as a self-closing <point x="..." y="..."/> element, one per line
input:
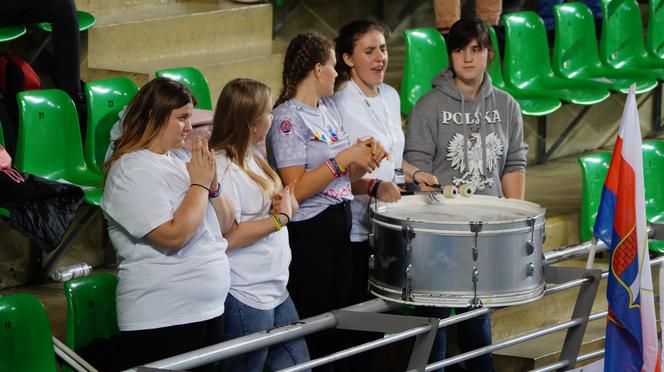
<point x="653" y="169"/>
<point x="49" y="137"/>
<point x="655" y="36"/>
<point x="526" y="48"/>
<point x="25" y="335"/>
<point x="193" y="79"/>
<point x="575" y="46"/>
<point x="594" y="168"/>
<point x="90" y="309"/>
<point x="495" y="70"/>
<point x="622" y="31"/>
<point x="426" y="56"/>
<point x="106" y="98"/>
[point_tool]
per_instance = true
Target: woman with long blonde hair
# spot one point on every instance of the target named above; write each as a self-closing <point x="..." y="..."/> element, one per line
<point x="258" y="248"/>
<point x="160" y="203"/>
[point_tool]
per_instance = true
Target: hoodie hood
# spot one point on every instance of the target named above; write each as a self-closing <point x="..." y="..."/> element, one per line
<point x="444" y="82"/>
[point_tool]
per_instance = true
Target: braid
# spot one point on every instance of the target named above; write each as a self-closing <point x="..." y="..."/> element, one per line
<point x="303" y="53"/>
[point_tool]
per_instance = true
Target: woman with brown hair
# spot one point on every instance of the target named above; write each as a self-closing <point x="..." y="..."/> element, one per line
<point x="258" y="249"/>
<point x="160" y="204"/>
<point x="311" y="150"/>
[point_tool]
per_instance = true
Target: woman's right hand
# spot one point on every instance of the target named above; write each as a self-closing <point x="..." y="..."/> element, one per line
<point x="360" y="154"/>
<point x="287" y="203"/>
<point x="202" y="166"/>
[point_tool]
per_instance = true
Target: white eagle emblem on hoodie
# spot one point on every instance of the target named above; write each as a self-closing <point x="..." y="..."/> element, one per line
<point x="473" y="173"/>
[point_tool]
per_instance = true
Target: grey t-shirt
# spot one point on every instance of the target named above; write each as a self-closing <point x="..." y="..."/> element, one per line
<point x="303" y="135"/>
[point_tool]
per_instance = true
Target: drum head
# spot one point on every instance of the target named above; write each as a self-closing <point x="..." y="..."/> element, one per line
<point x="488" y="209"/>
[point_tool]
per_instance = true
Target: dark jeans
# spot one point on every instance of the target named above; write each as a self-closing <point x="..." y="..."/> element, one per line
<point x="472" y="334"/>
<point x="320" y="274"/>
<point x="66" y="37"/>
<point x="545" y="10"/>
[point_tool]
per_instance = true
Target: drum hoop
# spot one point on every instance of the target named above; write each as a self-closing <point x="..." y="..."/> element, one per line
<point x="458" y="232"/>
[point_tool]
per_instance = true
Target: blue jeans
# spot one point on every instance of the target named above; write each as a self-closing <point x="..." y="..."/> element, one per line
<point x="545" y="10"/>
<point x="241" y="319"/>
<point x="472" y="334"/>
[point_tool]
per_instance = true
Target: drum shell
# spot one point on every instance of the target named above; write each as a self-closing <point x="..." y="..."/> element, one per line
<point x="432" y="263"/>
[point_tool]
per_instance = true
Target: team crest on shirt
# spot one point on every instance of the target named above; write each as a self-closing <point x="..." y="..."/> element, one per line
<point x="285" y="127"/>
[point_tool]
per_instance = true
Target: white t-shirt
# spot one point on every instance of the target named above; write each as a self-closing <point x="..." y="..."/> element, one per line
<point x="159" y="287"/>
<point x="376" y="117"/>
<point x="259" y="271"/>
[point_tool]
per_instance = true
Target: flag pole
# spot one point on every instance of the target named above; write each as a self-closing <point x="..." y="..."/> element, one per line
<point x="591" y="253"/>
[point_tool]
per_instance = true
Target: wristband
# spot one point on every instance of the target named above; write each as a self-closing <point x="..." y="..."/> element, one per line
<point x="413" y="175"/>
<point x="372" y="188"/>
<point x="287" y="219"/>
<point x="332" y="169"/>
<point x="198" y="184"/>
<point x="277" y="223"/>
<point x="215" y="194"/>
<point x="338" y="166"/>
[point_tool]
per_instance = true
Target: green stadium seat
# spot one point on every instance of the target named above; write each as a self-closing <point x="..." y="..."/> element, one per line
<point x="49" y="141"/>
<point x="3" y="212"/>
<point x="426" y="56"/>
<point x="575" y="54"/>
<point x="106" y="98"/>
<point x="528" y="68"/>
<point x="621" y="45"/>
<point x="594" y="168"/>
<point x="8" y="33"/>
<point x="655" y="36"/>
<point x="530" y="104"/>
<point x="90" y="309"/>
<point x="85" y="21"/>
<point x="194" y="80"/>
<point x="25" y="335"/>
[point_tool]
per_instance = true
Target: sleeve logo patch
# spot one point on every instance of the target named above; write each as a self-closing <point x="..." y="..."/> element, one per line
<point x="285" y="127"/>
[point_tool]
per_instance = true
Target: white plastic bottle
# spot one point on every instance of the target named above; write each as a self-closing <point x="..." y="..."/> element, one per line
<point x="68" y="272"/>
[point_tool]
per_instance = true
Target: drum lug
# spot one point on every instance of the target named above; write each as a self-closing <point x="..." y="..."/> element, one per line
<point x="475" y="227"/>
<point x="408" y="235"/>
<point x="530" y="270"/>
<point x="372" y="261"/>
<point x="372" y="238"/>
<point x="406" y="295"/>
<point x="475" y="302"/>
<point x="530" y="244"/>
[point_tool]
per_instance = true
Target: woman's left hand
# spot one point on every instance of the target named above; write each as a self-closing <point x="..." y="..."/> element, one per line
<point x="425" y="180"/>
<point x="388" y="192"/>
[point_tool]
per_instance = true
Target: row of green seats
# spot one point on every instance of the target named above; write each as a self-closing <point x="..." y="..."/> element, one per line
<point x="26" y="333"/>
<point x="579" y="72"/>
<point x="594" y="168"/>
<point x="8" y="33"/>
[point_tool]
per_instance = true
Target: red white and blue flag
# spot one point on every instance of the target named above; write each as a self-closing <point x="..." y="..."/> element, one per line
<point x="631" y="331"/>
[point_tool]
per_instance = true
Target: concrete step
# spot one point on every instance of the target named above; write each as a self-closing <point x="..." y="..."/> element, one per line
<point x="94" y="6"/>
<point x="142" y="34"/>
<point x="218" y="68"/>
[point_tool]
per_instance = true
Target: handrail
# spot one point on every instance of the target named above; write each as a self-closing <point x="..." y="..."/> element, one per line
<point x="327" y="320"/>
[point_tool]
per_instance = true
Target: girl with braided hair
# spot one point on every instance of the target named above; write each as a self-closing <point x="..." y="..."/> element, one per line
<point x="311" y="150"/>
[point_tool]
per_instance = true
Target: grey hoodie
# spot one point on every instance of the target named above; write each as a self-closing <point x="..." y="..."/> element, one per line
<point x="444" y="118"/>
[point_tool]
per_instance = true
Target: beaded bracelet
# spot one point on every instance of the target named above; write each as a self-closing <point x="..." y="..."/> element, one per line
<point x="215" y="194"/>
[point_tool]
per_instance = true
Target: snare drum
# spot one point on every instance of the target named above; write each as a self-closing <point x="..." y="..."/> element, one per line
<point x="480" y="250"/>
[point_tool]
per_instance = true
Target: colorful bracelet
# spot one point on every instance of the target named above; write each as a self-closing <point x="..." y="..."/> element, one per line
<point x="338" y="166"/>
<point x="334" y="171"/>
<point x="372" y="187"/>
<point x="198" y="184"/>
<point x="215" y="194"/>
<point x="276" y="221"/>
